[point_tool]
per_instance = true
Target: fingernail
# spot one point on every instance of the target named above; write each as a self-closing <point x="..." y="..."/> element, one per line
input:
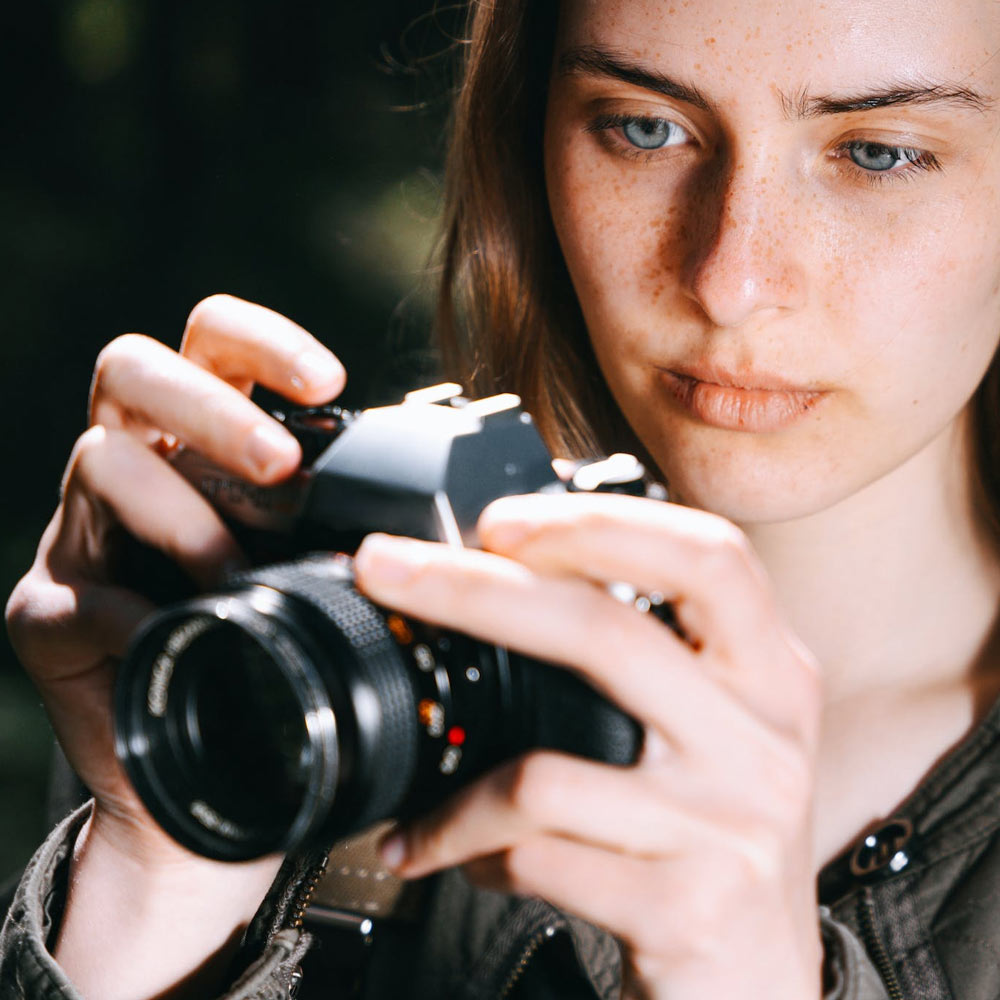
<point x="388" y="560"/>
<point x="269" y="447"/>
<point x="315" y="369"/>
<point x="393" y="851"/>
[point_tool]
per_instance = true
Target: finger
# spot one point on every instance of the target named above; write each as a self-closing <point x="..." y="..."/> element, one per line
<point x="632" y="658"/>
<point x="643" y="903"/>
<point x="114" y="480"/>
<point x="701" y="562"/>
<point x="244" y="343"/>
<point x="564" y="468"/>
<point x="550" y="867"/>
<point x="678" y="918"/>
<point x="61" y="628"/>
<point x="546" y="793"/>
<point x="140" y="382"/>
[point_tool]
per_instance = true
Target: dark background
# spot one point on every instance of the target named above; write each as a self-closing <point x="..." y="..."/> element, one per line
<point x="156" y="152"/>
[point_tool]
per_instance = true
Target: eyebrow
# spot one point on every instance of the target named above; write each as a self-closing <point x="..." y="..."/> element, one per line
<point x="598" y="61"/>
<point x="804" y="106"/>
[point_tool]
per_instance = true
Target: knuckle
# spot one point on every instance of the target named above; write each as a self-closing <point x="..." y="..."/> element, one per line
<point x="195" y="540"/>
<point x="91" y="440"/>
<point x="531" y="787"/>
<point x="741" y="864"/>
<point x="17" y="613"/>
<point x="728" y="544"/>
<point x="804" y="666"/>
<point x="85" y="457"/>
<point x="122" y="353"/>
<point x="101" y="461"/>
<point x="795" y="776"/>
<point x="792" y="790"/>
<point x="123" y="349"/>
<point x="802" y="689"/>
<point x="522" y="863"/>
<point x="757" y="859"/>
<point x="207" y="314"/>
<point x="781" y="774"/>
<point x="722" y="551"/>
<point x="91" y="447"/>
<point x="810" y="677"/>
<point x="29" y="615"/>
<point x="811" y="699"/>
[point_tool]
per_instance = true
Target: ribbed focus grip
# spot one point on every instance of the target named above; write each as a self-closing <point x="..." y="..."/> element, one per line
<point x="325" y="584"/>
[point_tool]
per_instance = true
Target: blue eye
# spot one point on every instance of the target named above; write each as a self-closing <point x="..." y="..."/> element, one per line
<point x="637" y="135"/>
<point x="652" y="133"/>
<point x="876" y="156"/>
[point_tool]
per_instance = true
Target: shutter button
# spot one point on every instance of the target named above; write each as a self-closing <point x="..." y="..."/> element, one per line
<point x="881" y="847"/>
<point x="294" y="982"/>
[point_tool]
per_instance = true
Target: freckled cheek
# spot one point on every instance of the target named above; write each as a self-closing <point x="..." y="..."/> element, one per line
<point x="621" y="237"/>
<point x="918" y="302"/>
<point x="875" y="280"/>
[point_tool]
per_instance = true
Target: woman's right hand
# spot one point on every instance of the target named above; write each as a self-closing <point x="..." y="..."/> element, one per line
<point x="68" y="618"/>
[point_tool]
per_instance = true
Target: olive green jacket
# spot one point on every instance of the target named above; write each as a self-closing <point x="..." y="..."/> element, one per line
<point x="913" y="910"/>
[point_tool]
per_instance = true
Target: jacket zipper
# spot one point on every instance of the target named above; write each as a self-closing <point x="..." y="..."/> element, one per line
<point x="297" y="912"/>
<point x="866" y="918"/>
<point x="528" y="952"/>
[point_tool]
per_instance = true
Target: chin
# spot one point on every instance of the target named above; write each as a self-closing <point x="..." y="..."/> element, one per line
<point x="750" y="489"/>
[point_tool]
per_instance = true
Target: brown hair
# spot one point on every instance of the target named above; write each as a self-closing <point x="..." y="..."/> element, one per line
<point x="508" y="318"/>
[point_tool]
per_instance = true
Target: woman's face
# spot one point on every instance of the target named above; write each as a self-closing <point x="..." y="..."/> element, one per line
<point x="782" y="222"/>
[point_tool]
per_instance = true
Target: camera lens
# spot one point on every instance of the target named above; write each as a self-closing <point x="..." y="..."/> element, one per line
<point x="277" y="712"/>
<point x="290" y="710"/>
<point x="242" y="724"/>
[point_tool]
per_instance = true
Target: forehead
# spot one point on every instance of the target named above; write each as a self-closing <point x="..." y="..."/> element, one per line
<point x="797" y="44"/>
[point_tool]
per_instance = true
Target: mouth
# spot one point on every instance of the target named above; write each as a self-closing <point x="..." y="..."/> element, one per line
<point x="750" y="401"/>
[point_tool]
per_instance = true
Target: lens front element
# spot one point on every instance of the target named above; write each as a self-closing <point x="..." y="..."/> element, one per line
<point x="224" y="727"/>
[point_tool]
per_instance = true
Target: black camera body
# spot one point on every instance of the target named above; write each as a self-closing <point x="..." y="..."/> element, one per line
<point x="285" y="709"/>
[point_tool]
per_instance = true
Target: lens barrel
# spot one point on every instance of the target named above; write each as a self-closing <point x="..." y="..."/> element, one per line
<point x="243" y="716"/>
<point x="289" y="710"/>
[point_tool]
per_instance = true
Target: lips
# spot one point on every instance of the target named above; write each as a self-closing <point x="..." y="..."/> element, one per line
<point x="745" y="401"/>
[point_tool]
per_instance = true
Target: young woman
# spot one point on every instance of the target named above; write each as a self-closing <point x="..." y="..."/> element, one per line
<point x="761" y="245"/>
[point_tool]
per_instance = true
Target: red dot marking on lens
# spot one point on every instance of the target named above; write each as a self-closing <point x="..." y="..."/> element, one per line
<point x="456" y="736"/>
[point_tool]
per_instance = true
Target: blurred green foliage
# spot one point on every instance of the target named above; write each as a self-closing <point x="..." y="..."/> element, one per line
<point x="157" y="152"/>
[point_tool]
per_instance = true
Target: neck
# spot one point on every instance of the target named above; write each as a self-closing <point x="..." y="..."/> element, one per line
<point x="896" y="586"/>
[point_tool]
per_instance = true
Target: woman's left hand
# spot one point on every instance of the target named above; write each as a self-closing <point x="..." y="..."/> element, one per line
<point x="699" y="858"/>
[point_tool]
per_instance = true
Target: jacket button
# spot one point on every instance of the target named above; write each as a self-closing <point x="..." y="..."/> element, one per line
<point x="882" y="847"/>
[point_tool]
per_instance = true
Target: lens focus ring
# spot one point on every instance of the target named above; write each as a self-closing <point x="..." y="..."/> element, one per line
<point x="325" y="583"/>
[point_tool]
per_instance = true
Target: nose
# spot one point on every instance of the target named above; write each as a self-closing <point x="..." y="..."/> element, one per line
<point x="747" y="243"/>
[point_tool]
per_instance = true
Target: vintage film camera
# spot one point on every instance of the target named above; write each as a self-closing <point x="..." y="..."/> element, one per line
<point x="287" y="710"/>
